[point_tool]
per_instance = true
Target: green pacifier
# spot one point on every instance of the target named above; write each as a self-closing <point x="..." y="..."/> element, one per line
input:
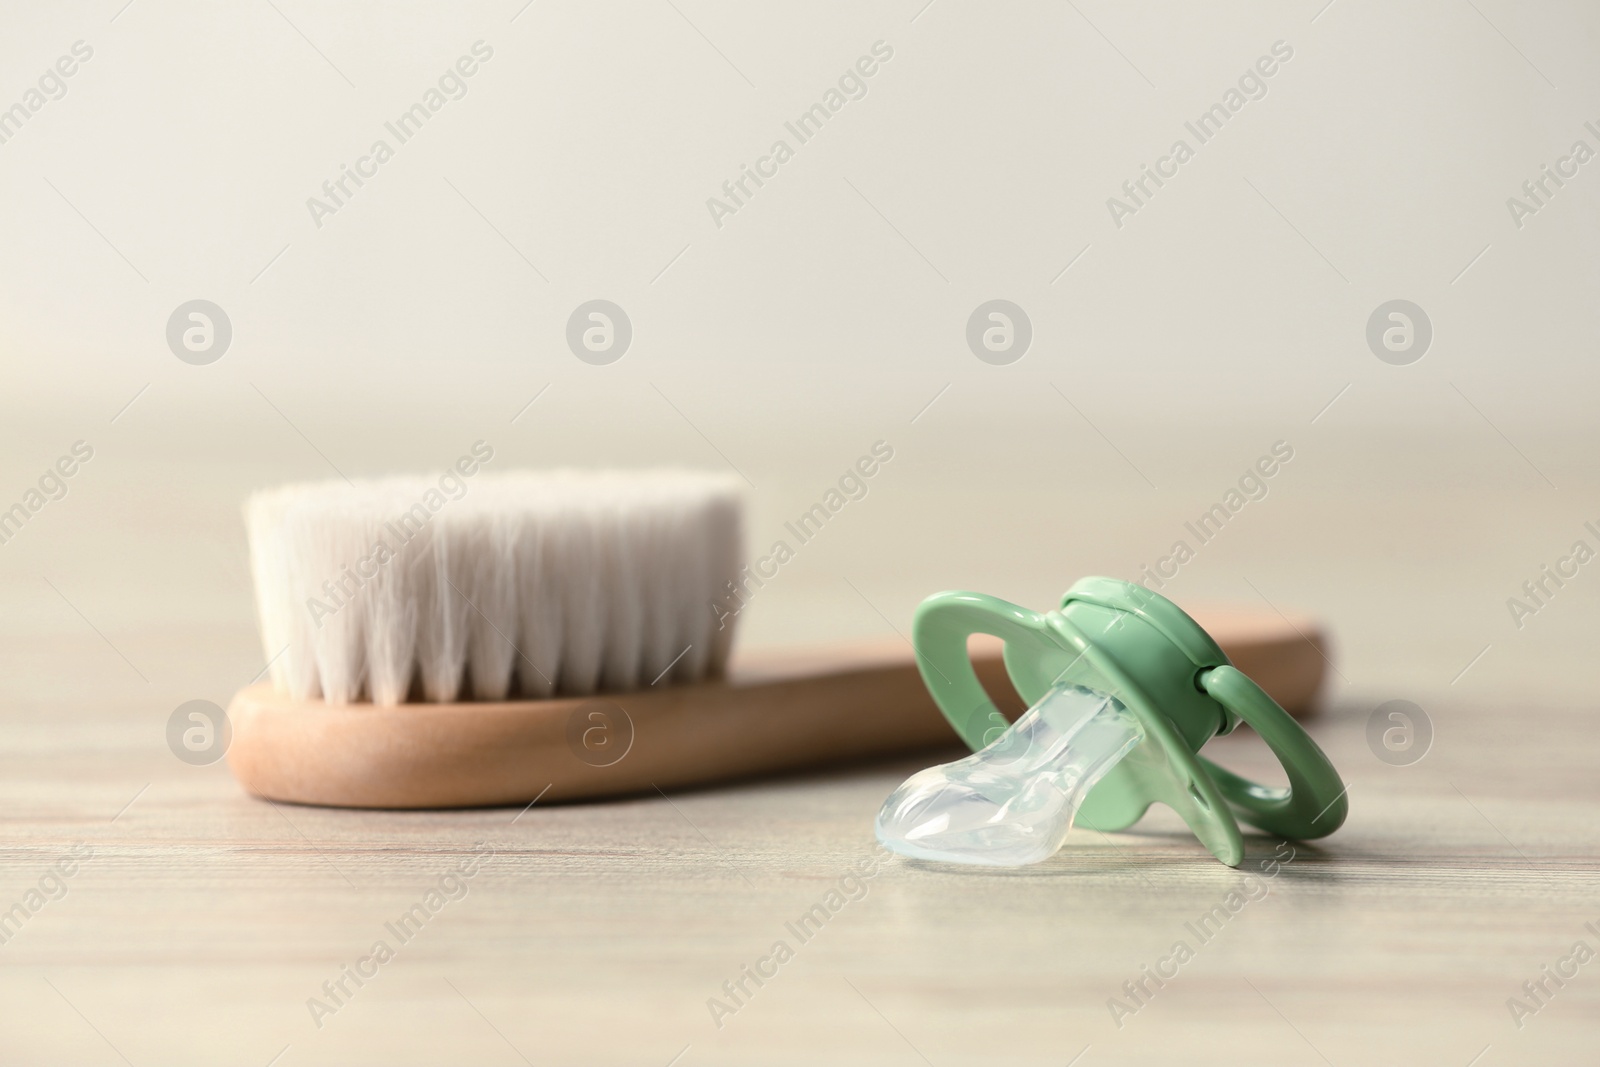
<point x="1123" y="689"/>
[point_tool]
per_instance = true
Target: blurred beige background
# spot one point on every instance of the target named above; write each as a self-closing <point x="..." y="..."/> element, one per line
<point x="829" y="311"/>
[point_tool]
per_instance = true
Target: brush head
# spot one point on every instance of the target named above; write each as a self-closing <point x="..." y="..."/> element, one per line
<point x="506" y="585"/>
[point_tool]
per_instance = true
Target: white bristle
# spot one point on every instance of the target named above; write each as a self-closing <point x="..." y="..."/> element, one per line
<point x="494" y="586"/>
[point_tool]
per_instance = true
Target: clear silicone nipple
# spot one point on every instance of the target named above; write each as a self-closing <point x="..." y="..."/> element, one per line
<point x="1013" y="802"/>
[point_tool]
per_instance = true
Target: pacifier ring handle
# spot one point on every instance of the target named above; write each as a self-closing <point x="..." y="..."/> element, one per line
<point x="1316" y="802"/>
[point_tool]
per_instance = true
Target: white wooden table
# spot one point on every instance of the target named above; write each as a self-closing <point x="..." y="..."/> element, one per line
<point x="205" y="924"/>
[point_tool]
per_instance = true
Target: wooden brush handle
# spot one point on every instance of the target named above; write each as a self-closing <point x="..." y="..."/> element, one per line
<point x="775" y="711"/>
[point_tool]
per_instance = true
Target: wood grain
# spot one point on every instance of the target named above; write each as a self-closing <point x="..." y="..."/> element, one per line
<point x="597" y="933"/>
<point x="777" y="710"/>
